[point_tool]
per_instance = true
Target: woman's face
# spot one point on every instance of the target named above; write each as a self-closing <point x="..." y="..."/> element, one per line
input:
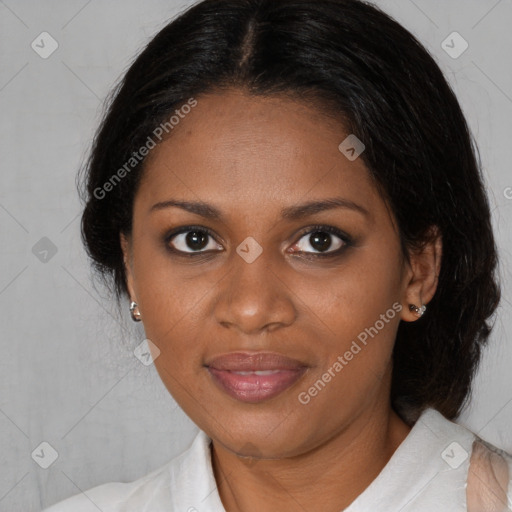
<point x="253" y="269"/>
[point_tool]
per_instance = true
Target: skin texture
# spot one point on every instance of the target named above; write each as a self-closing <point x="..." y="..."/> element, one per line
<point x="250" y="157"/>
<point x="488" y="480"/>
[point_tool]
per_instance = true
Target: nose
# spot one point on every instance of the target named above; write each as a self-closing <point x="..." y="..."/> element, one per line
<point x="253" y="297"/>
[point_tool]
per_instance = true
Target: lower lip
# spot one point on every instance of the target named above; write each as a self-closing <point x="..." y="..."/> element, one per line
<point x="255" y="388"/>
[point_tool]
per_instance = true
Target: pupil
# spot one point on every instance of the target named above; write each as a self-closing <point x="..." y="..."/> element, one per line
<point x="320" y="241"/>
<point x="196" y="239"/>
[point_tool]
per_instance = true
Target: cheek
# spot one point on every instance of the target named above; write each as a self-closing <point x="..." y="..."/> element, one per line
<point x="169" y="304"/>
<point x="357" y="312"/>
<point x="352" y="296"/>
<point x="161" y="288"/>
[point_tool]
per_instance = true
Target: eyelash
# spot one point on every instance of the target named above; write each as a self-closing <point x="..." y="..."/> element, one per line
<point x="346" y="239"/>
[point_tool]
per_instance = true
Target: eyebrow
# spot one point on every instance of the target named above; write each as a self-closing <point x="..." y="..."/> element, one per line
<point x="289" y="213"/>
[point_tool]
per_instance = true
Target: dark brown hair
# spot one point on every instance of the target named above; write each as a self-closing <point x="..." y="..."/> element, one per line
<point x="368" y="71"/>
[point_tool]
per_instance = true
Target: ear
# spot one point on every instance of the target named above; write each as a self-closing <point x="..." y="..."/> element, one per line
<point x="128" y="264"/>
<point x="422" y="275"/>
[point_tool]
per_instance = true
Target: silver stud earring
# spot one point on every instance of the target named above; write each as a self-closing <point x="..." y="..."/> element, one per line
<point x="135" y="314"/>
<point x="418" y="310"/>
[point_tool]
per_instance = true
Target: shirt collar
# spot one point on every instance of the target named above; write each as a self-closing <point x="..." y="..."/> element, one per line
<point x="193" y="485"/>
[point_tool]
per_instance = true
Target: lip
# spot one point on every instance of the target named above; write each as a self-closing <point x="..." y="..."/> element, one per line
<point x="254" y="377"/>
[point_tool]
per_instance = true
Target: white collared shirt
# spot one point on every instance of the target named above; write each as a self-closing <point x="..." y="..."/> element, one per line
<point x="427" y="472"/>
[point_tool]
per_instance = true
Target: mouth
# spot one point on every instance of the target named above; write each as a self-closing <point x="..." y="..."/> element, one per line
<point x="254" y="377"/>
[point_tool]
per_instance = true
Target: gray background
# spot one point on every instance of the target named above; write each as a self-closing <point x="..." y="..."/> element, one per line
<point x="68" y="375"/>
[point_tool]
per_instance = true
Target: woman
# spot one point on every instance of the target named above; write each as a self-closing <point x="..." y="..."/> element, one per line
<point x="287" y="195"/>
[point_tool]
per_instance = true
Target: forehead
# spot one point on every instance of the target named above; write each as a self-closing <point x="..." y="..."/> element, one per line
<point x="253" y="149"/>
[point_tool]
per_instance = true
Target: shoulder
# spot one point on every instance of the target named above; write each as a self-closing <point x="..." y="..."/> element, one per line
<point x="184" y="481"/>
<point x="476" y="476"/>
<point x="110" y="497"/>
<point x="489" y="479"/>
<point x="106" y="497"/>
<point x="151" y="490"/>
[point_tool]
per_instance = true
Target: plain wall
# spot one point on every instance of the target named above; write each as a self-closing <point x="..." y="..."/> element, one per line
<point x="68" y="375"/>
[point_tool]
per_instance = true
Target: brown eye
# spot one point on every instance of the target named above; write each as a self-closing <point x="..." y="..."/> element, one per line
<point x="193" y="240"/>
<point x="319" y="242"/>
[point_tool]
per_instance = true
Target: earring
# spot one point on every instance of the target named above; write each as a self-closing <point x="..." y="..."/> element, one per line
<point x="418" y="310"/>
<point x="135" y="314"/>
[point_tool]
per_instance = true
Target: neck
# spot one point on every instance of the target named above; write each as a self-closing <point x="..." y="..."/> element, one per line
<point x="327" y="478"/>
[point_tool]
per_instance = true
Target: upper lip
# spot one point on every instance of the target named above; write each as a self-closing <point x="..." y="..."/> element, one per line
<point x="258" y="361"/>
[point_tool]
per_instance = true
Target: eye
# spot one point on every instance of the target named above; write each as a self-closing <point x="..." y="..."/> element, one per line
<point x="191" y="240"/>
<point x="322" y="240"/>
<point x="317" y="241"/>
